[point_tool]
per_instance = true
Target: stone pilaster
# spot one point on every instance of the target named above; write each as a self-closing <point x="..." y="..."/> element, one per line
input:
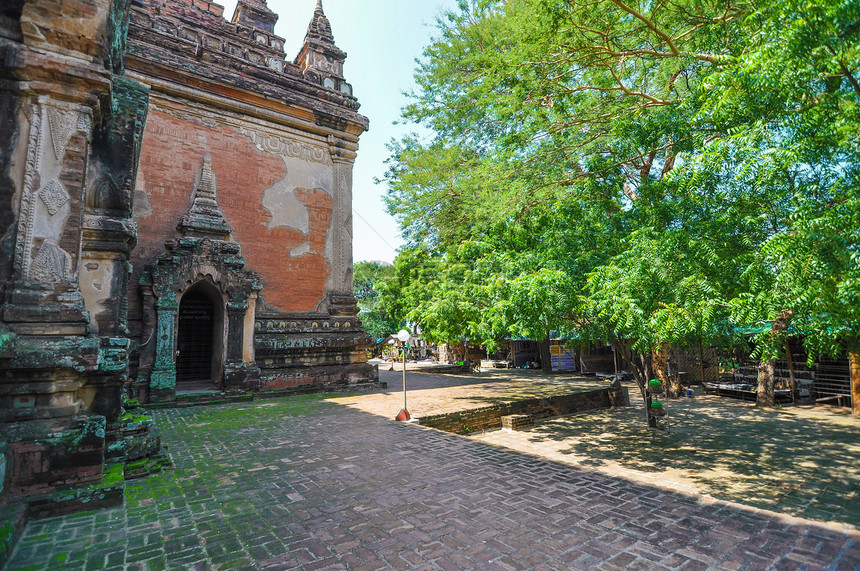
<point x="341" y="300"/>
<point x="162" y="379"/>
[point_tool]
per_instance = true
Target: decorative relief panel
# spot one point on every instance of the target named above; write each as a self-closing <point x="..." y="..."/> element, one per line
<point x="54" y="195"/>
<point x="35" y="140"/>
<point x="326" y="65"/>
<point x="273" y="144"/>
<point x="51" y="265"/>
<point x="57" y="121"/>
<point x="63" y="124"/>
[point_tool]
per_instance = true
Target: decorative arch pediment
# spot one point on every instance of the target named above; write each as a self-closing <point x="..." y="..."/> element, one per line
<point x="185" y="261"/>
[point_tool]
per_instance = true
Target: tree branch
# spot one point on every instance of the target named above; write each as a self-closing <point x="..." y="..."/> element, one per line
<point x="651" y="25"/>
<point x="845" y="70"/>
<point x="630" y="92"/>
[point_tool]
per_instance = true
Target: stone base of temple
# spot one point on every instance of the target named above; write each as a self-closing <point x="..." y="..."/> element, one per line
<point x="356" y="377"/>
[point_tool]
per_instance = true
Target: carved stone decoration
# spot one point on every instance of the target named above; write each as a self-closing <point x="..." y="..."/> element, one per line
<point x="275" y="145"/>
<point x="23" y="256"/>
<point x="347" y="227"/>
<point x="63" y="121"/>
<point x="63" y="125"/>
<point x="54" y="195"/>
<point x="205" y="217"/>
<point x="324" y="64"/>
<point x="51" y="265"/>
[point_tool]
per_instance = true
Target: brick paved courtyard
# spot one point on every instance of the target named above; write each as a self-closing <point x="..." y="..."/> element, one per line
<point x="310" y="483"/>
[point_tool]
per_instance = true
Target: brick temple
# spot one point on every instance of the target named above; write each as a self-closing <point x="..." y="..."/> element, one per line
<point x="176" y="219"/>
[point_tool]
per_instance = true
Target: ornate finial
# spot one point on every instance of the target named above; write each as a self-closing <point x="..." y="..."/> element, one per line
<point x="319" y="57"/>
<point x="204" y="216"/>
<point x="320" y="28"/>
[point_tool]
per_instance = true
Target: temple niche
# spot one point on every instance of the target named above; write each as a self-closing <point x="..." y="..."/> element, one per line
<point x="175" y="221"/>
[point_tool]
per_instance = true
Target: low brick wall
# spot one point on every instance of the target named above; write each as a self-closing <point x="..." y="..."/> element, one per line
<point x="490" y="418"/>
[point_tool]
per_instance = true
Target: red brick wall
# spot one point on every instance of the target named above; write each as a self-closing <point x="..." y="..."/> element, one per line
<point x="172" y="153"/>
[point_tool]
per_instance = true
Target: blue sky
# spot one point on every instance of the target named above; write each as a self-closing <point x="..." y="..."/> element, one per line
<point x="382" y="39"/>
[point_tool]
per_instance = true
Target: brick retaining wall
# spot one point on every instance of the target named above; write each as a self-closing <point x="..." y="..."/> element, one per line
<point x="490" y="418"/>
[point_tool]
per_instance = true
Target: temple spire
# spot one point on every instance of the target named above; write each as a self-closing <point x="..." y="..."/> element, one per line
<point x="320" y="59"/>
<point x="320" y="28"/>
<point x="255" y="14"/>
<point x="204" y="217"/>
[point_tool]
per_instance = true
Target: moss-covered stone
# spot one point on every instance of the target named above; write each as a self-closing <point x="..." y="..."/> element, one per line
<point x="7" y="342"/>
<point x="7" y="531"/>
<point x="13" y="518"/>
<point x="93" y="427"/>
<point x="2" y="469"/>
<point x="108" y="492"/>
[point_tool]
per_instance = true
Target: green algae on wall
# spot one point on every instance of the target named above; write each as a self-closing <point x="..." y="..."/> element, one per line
<point x="93" y="427"/>
<point x="7" y="342"/>
<point x="7" y="538"/>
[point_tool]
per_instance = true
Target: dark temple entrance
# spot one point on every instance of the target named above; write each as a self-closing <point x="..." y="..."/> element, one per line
<point x="194" y="342"/>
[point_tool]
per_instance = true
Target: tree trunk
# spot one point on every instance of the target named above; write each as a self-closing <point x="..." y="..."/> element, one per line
<point x="766" y="373"/>
<point x="673" y="378"/>
<point x="767" y="369"/>
<point x="641" y="372"/>
<point x="854" y="358"/>
<point x="545" y="356"/>
<point x="647" y="375"/>
<point x="794" y="392"/>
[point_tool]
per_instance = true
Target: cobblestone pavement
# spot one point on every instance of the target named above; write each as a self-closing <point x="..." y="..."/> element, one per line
<point x="304" y="483"/>
<point x="800" y="462"/>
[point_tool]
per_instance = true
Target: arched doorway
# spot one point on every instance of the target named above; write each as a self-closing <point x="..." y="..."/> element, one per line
<point x="196" y="343"/>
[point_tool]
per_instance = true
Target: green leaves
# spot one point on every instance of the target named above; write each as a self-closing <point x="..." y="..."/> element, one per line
<point x="648" y="173"/>
<point x="370" y="279"/>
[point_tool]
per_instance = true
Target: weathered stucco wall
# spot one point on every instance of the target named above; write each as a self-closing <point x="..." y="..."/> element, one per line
<point x="279" y="206"/>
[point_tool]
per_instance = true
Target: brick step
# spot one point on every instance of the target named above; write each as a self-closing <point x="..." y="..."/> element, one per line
<point x="490" y="418"/>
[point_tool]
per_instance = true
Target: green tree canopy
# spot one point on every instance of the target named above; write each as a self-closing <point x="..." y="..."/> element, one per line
<point x="641" y="173"/>
<point x="369" y="278"/>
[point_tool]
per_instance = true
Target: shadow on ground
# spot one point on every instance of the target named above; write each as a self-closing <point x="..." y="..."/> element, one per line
<point x="807" y="466"/>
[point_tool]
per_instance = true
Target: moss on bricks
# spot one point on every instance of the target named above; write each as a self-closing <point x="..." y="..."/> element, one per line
<point x="106" y="493"/>
<point x="13" y="518"/>
<point x="7" y="342"/>
<point x="7" y="537"/>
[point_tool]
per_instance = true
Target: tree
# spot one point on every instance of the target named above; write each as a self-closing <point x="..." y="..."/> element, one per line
<point x="538" y="103"/>
<point x="791" y="106"/>
<point x="368" y="278"/>
<point x="681" y="153"/>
